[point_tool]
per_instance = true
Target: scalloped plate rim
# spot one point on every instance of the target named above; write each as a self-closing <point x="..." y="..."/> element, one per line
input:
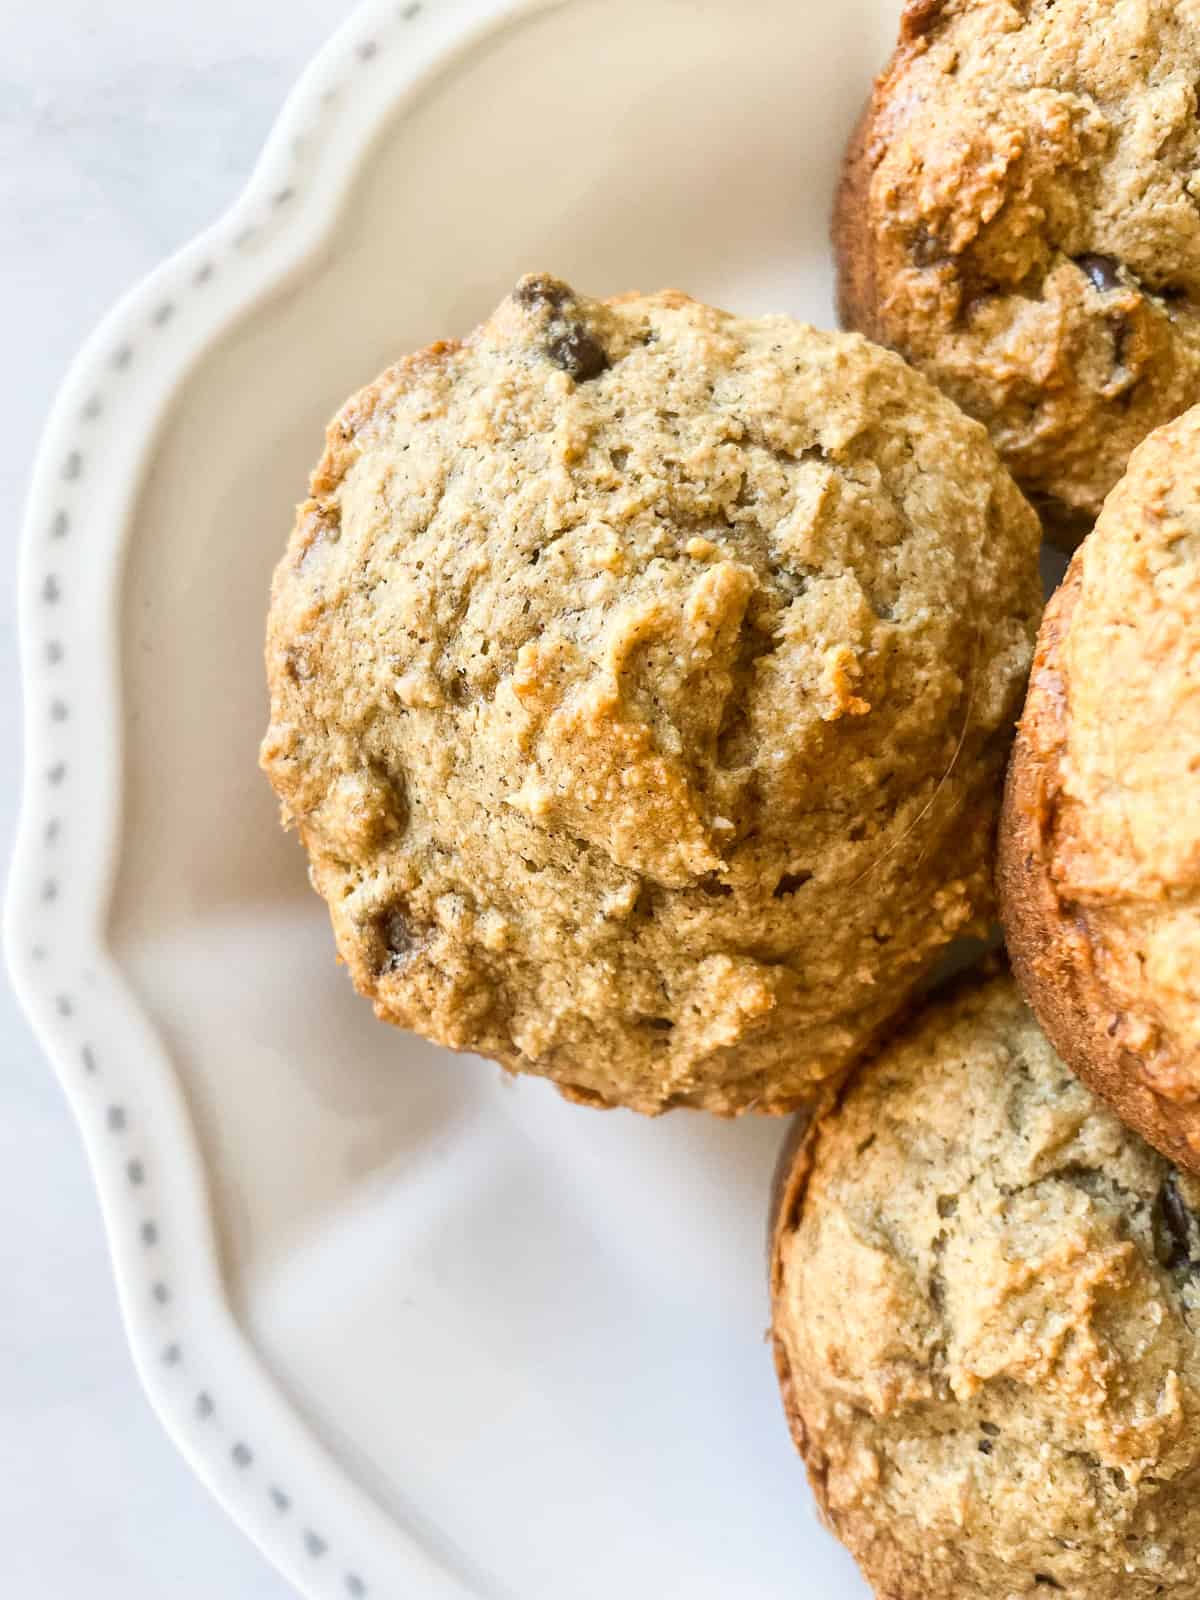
<point x="61" y="991"/>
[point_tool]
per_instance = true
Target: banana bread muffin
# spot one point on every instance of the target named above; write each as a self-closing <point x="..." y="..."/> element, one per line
<point x="1020" y="216"/>
<point x="1100" y="845"/>
<point x="986" y="1304"/>
<point x="641" y="678"/>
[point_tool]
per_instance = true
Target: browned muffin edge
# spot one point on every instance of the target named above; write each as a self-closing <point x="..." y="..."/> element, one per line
<point x="1049" y="942"/>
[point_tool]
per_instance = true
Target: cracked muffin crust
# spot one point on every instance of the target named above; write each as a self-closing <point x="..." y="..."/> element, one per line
<point x="1020" y="216"/>
<point x="986" y="1304"/>
<point x="1100" y="844"/>
<point x="641" y="680"/>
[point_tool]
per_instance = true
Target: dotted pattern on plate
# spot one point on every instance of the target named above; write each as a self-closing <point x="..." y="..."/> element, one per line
<point x="119" y="1119"/>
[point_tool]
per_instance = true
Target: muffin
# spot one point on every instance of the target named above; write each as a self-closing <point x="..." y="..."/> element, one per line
<point x="1020" y="216"/>
<point x="641" y="678"/>
<point x="1100" y="844"/>
<point x="986" y="1314"/>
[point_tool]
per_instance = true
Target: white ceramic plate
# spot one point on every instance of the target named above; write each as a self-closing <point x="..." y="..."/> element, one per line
<point x="424" y="1332"/>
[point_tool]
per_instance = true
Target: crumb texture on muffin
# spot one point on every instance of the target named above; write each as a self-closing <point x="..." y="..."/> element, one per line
<point x="986" y="1292"/>
<point x="641" y="677"/>
<point x="1020" y="216"/>
<point x="1100" y="849"/>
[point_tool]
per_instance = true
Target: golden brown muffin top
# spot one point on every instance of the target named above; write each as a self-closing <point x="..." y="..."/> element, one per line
<point x="641" y="676"/>
<point x="1124" y="850"/>
<point x="1021" y="217"/>
<point x="987" y="1293"/>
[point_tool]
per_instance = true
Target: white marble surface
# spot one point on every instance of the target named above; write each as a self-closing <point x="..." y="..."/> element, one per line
<point x="124" y="128"/>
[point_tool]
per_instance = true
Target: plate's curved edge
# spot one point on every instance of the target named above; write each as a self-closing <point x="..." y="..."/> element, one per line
<point x="272" y="1475"/>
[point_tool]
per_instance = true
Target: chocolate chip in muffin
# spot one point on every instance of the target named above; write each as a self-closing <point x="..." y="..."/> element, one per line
<point x="568" y="341"/>
<point x="927" y="249"/>
<point x="396" y="940"/>
<point x="1102" y="272"/>
<point x="578" y="353"/>
<point x="1176" y="1232"/>
<point x="540" y="289"/>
